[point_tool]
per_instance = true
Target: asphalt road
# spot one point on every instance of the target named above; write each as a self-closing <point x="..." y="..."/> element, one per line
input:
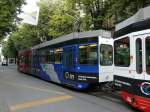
<point x="23" y="93"/>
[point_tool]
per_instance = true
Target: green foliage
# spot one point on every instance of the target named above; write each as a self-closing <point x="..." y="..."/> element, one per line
<point x="46" y="9"/>
<point x="25" y="37"/>
<point x="122" y="9"/>
<point x="94" y="10"/>
<point x="60" y="17"/>
<point x="8" y="15"/>
<point x="105" y="13"/>
<point x="60" y="24"/>
<point x="9" y="50"/>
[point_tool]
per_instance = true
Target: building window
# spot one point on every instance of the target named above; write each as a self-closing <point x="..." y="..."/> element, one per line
<point x="106" y="54"/>
<point x="88" y="54"/>
<point x="139" y="56"/>
<point x="122" y="52"/>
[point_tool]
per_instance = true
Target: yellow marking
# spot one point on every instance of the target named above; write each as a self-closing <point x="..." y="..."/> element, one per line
<point x="39" y="102"/>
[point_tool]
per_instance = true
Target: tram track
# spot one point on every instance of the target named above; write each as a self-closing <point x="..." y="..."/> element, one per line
<point x="114" y="97"/>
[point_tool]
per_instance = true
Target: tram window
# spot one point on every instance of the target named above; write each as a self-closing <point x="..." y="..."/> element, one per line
<point x="65" y="55"/>
<point x="51" y="56"/>
<point x="37" y="59"/>
<point x="148" y="55"/>
<point x="71" y="57"/>
<point x="23" y="59"/>
<point x="88" y="54"/>
<point x="20" y="59"/>
<point x="47" y="56"/>
<point x="27" y="60"/>
<point x="58" y="53"/>
<point x="122" y="52"/>
<point x="68" y="57"/>
<point x="42" y="59"/>
<point x="139" y="56"/>
<point x="106" y="54"/>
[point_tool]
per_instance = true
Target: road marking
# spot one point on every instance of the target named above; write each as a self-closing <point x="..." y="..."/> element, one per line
<point x="35" y="103"/>
<point x="35" y="88"/>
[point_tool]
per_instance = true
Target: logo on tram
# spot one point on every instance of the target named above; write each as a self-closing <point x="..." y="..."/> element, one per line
<point x="69" y="76"/>
<point x="145" y="88"/>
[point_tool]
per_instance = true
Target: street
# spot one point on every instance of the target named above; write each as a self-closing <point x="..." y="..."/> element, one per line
<point x="23" y="93"/>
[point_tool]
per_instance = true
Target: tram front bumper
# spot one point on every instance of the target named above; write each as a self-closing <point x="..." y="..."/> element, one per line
<point x="138" y="102"/>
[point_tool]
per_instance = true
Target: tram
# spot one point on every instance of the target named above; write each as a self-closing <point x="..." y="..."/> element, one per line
<point x="78" y="60"/>
<point x="132" y="59"/>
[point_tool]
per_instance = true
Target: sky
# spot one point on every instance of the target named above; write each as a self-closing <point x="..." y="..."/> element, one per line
<point x="30" y="6"/>
<point x="27" y="9"/>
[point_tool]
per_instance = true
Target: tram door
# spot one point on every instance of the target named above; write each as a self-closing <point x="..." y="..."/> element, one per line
<point x="137" y="51"/>
<point x="147" y="57"/>
<point x="69" y="59"/>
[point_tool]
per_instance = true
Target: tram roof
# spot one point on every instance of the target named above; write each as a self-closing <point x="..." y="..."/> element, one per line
<point x="75" y="35"/>
<point x="139" y="21"/>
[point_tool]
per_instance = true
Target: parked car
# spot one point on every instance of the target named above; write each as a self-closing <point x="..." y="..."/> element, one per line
<point x="4" y="63"/>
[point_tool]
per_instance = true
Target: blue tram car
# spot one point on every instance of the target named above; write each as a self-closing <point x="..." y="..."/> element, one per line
<point x="78" y="59"/>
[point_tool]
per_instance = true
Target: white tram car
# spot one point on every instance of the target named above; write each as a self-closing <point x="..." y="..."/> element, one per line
<point x="132" y="59"/>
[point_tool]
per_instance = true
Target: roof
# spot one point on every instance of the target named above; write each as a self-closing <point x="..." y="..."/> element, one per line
<point x="139" y="26"/>
<point x="75" y="35"/>
<point x="137" y="22"/>
<point x="142" y="14"/>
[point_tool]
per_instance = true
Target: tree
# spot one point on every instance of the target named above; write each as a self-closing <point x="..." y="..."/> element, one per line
<point x="95" y="13"/>
<point x="123" y="9"/>
<point x="25" y="37"/>
<point x="9" y="50"/>
<point x="62" y="16"/>
<point x="62" y="20"/>
<point x="9" y="9"/>
<point x="60" y="23"/>
<point x="46" y="10"/>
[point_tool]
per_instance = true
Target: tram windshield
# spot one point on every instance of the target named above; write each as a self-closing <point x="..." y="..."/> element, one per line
<point x="88" y="54"/>
<point x="106" y="54"/>
<point x="122" y="52"/>
<point x="147" y="55"/>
